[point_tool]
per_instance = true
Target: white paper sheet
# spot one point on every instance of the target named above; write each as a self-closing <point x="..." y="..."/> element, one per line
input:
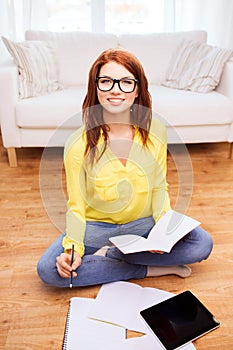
<point x="168" y="230"/>
<point x="120" y="303"/>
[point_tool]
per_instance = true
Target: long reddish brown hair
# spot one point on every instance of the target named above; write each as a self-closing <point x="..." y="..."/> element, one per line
<point x="141" y="111"/>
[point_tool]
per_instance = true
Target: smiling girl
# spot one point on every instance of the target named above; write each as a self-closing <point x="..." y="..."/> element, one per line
<point x="116" y="182"/>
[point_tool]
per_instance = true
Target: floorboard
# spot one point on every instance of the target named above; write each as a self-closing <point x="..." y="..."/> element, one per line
<point x="32" y="315"/>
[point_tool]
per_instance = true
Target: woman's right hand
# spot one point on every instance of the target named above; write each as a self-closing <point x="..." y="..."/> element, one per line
<point x="63" y="263"/>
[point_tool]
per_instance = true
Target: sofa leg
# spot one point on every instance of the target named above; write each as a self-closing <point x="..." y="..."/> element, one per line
<point x="231" y="150"/>
<point x="12" y="158"/>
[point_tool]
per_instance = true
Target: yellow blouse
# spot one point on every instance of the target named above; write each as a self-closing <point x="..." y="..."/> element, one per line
<point x="110" y="192"/>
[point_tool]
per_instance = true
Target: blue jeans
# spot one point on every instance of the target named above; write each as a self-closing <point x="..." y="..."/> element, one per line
<point x="115" y="266"/>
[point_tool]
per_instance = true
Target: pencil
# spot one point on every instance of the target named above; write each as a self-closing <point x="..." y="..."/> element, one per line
<point x="72" y="260"/>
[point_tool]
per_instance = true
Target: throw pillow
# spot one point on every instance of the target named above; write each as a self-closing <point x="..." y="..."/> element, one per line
<point x="196" y="66"/>
<point x="37" y="66"/>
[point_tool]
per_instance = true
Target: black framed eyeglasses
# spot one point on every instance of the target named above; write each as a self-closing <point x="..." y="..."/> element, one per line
<point x="125" y="84"/>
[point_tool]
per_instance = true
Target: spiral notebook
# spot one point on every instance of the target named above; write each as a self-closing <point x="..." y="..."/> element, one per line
<point x="64" y="347"/>
<point x="96" y="323"/>
<point x="84" y="333"/>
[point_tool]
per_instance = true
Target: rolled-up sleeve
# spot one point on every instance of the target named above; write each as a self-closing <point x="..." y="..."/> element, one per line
<point x="76" y="189"/>
<point x="160" y="195"/>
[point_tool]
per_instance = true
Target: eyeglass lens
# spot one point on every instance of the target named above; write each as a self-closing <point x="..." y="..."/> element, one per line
<point x="125" y="84"/>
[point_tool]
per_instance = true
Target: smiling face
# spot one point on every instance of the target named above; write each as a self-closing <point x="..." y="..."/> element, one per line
<point x="116" y="101"/>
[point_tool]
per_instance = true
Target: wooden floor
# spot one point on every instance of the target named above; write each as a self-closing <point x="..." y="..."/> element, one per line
<point x="32" y="315"/>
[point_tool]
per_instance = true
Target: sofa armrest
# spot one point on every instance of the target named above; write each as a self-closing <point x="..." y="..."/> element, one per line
<point x="225" y="86"/>
<point x="8" y="98"/>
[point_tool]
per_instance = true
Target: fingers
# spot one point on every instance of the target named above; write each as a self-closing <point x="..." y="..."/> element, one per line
<point x="77" y="261"/>
<point x="63" y="262"/>
<point x="156" y="251"/>
<point x="63" y="265"/>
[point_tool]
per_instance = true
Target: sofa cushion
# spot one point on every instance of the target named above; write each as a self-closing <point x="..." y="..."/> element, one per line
<point x="59" y="109"/>
<point x="156" y="50"/>
<point x="37" y="66"/>
<point x="180" y="107"/>
<point x="196" y="66"/>
<point x="176" y="107"/>
<point x="76" y="52"/>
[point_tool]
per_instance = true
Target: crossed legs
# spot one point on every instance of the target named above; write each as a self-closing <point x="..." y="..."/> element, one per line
<point x="114" y="265"/>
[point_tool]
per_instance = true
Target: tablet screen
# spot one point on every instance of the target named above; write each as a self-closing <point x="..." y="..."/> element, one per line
<point x="179" y="320"/>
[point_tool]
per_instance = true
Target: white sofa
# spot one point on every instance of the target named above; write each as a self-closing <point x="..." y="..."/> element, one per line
<point x="191" y="117"/>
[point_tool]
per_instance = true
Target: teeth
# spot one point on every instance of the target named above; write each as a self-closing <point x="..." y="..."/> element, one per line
<point x="115" y="99"/>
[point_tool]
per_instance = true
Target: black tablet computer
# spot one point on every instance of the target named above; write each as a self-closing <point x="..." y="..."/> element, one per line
<point x="179" y="320"/>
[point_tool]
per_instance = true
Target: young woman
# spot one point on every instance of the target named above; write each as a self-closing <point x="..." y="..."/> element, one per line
<point x="116" y="182"/>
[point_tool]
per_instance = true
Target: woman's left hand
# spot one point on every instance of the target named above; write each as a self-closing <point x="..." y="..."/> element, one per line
<point x="156" y="251"/>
